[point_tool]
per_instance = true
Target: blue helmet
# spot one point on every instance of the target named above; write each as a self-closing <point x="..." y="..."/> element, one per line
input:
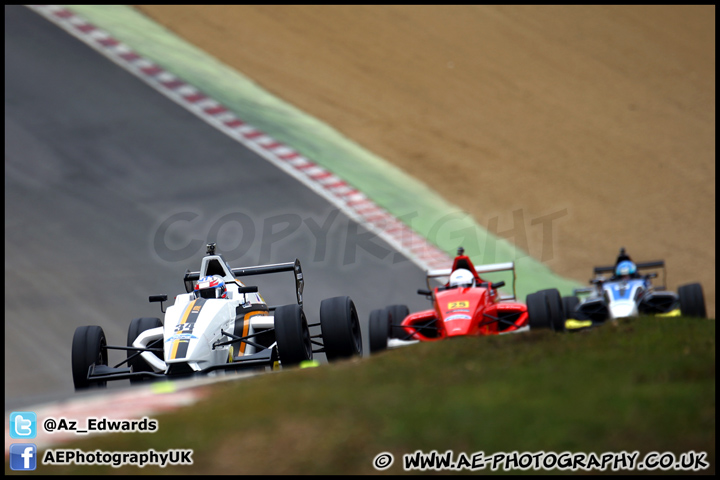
<point x="626" y="267"/>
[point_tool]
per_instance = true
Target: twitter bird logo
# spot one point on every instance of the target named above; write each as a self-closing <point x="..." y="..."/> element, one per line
<point x="23" y="425"/>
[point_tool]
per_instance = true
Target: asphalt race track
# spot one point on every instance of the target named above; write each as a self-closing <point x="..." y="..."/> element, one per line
<point x="97" y="166"/>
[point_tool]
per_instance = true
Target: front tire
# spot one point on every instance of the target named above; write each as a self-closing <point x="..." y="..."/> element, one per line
<point x="292" y="335"/>
<point x="379" y="329"/>
<point x="569" y="306"/>
<point x="340" y="328"/>
<point x="88" y="348"/>
<point x="137" y="326"/>
<point x="692" y="300"/>
<point x="397" y="315"/>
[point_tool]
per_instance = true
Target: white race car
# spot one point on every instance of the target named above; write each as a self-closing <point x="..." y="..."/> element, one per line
<point x="219" y="324"/>
<point x="629" y="294"/>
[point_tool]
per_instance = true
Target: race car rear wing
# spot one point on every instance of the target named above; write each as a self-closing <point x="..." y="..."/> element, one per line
<point x="640" y="266"/>
<point x="657" y="264"/>
<point x="294" y="267"/>
<point x="490" y="268"/>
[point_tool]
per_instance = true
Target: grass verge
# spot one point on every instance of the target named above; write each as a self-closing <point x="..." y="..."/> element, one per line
<point x="642" y="385"/>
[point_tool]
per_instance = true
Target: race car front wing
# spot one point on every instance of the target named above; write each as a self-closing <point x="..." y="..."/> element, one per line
<point x="102" y="373"/>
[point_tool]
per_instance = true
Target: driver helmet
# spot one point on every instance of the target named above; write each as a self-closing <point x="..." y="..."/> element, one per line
<point x="625" y="268"/>
<point x="462" y="278"/>
<point x="212" y="286"/>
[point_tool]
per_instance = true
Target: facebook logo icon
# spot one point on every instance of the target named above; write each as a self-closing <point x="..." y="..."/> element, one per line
<point x="23" y="425"/>
<point x="23" y="456"/>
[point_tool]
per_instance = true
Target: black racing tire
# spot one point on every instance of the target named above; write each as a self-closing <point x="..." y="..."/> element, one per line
<point x="545" y="310"/>
<point x="538" y="311"/>
<point x="379" y="329"/>
<point x="88" y="349"/>
<point x="557" y="310"/>
<point x="569" y="306"/>
<point x="572" y="309"/>
<point x="692" y="300"/>
<point x="292" y="335"/>
<point x="137" y="326"/>
<point x="340" y="328"/>
<point x="397" y="315"/>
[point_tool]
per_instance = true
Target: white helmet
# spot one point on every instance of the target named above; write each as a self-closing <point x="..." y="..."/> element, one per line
<point x="462" y="278"/>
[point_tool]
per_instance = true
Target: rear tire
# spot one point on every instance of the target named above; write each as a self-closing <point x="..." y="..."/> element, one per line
<point x="340" y="328"/>
<point x="379" y="329"/>
<point x="397" y="315"/>
<point x="557" y="310"/>
<point x="137" y="326"/>
<point x="538" y="311"/>
<point x="87" y="350"/>
<point x="692" y="300"/>
<point x="292" y="335"/>
<point x="545" y="310"/>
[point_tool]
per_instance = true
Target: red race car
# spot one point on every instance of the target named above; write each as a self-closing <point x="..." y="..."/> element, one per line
<point x="465" y="305"/>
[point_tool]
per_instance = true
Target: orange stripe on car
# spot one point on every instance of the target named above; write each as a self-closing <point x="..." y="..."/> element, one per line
<point x="185" y="316"/>
<point x="174" y="349"/>
<point x="187" y="311"/>
<point x="246" y="328"/>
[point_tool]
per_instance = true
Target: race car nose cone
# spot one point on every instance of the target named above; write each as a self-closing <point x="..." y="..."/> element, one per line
<point x="624" y="309"/>
<point x="455" y="329"/>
